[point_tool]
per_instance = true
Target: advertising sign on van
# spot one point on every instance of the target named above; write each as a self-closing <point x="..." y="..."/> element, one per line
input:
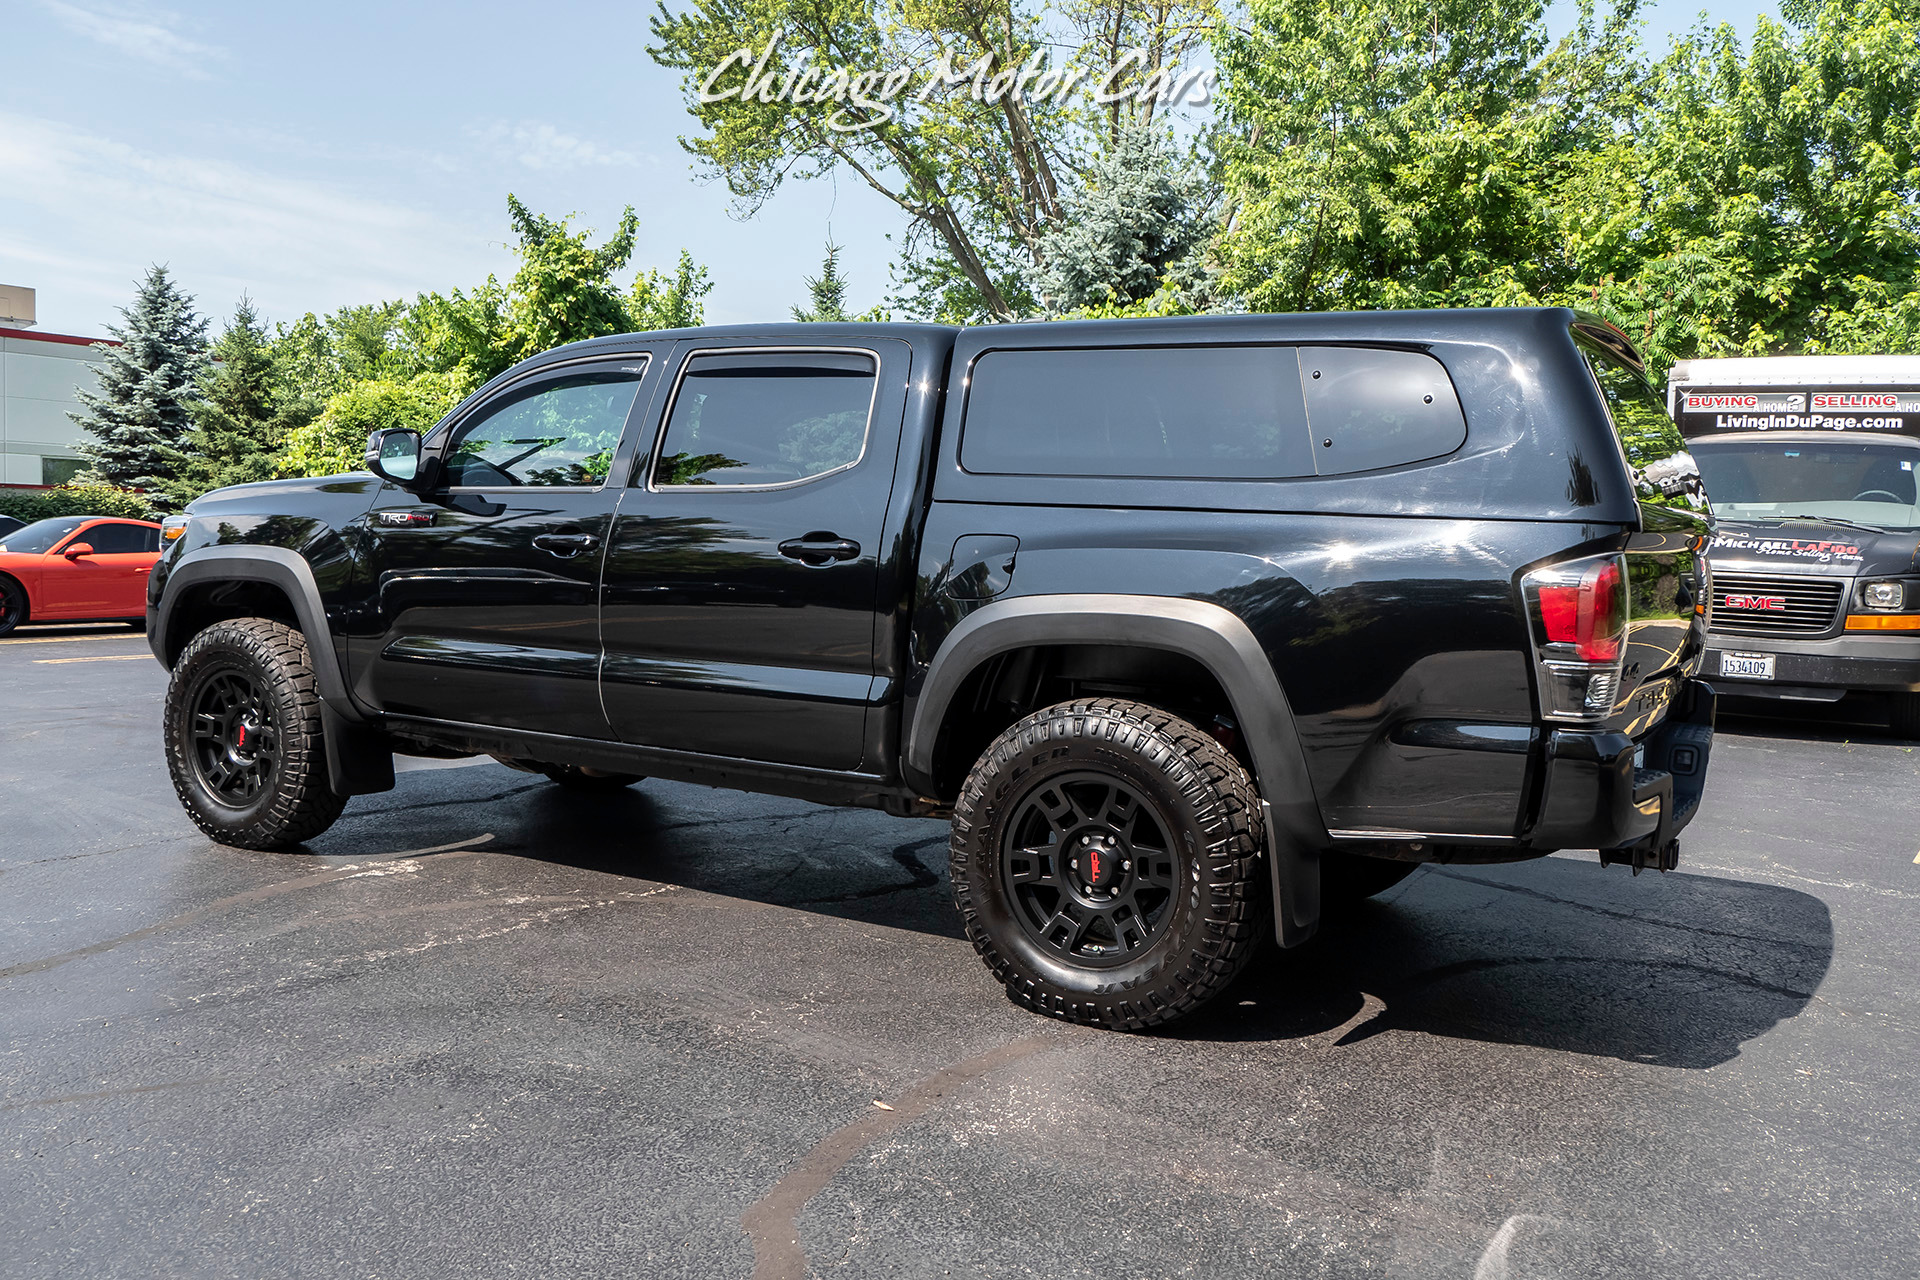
<point x="1704" y="411"/>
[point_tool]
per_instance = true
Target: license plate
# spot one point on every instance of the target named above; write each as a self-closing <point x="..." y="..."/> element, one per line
<point x="1752" y="666"/>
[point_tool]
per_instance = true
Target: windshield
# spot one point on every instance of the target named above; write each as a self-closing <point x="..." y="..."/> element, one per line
<point x="39" y="537"/>
<point x="1868" y="482"/>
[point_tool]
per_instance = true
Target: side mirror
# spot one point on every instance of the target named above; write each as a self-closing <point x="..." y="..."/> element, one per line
<point x="394" y="455"/>
<point x="73" y="551"/>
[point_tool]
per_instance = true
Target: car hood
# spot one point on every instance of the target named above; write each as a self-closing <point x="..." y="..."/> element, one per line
<point x="1810" y="547"/>
<point x="262" y="495"/>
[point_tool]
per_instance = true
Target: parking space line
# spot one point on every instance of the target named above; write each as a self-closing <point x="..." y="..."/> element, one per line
<point x="104" y="635"/>
<point x="94" y="657"/>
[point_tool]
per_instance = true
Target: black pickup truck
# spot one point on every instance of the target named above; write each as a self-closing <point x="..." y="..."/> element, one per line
<point x="1189" y="625"/>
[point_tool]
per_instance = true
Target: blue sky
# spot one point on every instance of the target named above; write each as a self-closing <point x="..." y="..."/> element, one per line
<point x="315" y="156"/>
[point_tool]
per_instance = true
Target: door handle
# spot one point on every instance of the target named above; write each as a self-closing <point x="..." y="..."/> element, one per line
<point x="818" y="549"/>
<point x="565" y="545"/>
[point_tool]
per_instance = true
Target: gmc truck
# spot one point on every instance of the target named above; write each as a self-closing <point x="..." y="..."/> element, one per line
<point x="1192" y="627"/>
<point x="1816" y="554"/>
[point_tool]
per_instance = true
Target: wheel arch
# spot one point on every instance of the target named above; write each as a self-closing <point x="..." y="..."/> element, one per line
<point x="224" y="582"/>
<point x="1205" y="633"/>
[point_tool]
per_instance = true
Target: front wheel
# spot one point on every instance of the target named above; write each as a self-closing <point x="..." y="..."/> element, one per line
<point x="13" y="605"/>
<point x="243" y="736"/>
<point x="1105" y="860"/>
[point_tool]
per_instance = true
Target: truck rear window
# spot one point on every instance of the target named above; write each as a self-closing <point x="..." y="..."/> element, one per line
<point x="1229" y="413"/>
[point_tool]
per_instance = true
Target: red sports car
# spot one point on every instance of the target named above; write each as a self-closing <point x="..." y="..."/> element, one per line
<point x="76" y="569"/>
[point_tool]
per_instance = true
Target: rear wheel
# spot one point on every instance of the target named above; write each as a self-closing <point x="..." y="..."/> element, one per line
<point x="1905" y="718"/>
<point x="1105" y="861"/>
<point x="574" y="778"/>
<point x="243" y="736"/>
<point x="13" y="605"/>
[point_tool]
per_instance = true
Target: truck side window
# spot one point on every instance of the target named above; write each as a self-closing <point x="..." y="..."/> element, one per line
<point x="1664" y="473"/>
<point x="1372" y="407"/>
<point x="1197" y="412"/>
<point x="556" y="433"/>
<point x="742" y="419"/>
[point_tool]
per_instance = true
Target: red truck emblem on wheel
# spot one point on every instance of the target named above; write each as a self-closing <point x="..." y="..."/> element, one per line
<point x="1776" y="603"/>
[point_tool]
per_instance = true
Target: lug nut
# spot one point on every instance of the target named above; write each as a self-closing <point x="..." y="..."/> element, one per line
<point x="1086" y="839"/>
<point x="1074" y="863"/>
<point x="1126" y="865"/>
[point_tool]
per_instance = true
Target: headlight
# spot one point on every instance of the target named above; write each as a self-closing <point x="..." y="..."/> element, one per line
<point x="1883" y="595"/>
<point x="172" y="527"/>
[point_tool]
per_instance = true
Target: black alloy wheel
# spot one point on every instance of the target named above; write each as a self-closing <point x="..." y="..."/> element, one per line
<point x="236" y="746"/>
<point x="1088" y="867"/>
<point x="13" y="605"/>
<point x="1106" y="863"/>
<point x="244" y="736"/>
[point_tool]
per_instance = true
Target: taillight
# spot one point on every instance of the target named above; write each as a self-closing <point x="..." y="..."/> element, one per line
<point x="1578" y="614"/>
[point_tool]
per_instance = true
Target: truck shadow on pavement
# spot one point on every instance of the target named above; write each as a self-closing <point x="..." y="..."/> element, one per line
<point x="1677" y="970"/>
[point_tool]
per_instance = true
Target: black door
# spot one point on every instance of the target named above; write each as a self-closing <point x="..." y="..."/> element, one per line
<point x="738" y="613"/>
<point x="485" y="599"/>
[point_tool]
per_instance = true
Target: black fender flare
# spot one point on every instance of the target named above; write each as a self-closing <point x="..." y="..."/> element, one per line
<point x="289" y="571"/>
<point x="1210" y="635"/>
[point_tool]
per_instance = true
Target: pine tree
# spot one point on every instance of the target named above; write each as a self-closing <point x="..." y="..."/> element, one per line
<point x="828" y="292"/>
<point x="138" y="419"/>
<point x="1136" y="226"/>
<point x="237" y="425"/>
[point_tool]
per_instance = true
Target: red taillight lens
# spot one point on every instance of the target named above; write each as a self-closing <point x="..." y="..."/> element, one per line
<point x="1579" y="619"/>
<point x="1590" y="614"/>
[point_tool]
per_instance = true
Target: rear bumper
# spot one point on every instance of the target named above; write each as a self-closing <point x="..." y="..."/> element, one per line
<point x="1819" y="670"/>
<point x="1597" y="796"/>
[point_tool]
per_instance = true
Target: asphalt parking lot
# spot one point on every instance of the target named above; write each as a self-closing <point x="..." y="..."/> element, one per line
<point x="487" y="1028"/>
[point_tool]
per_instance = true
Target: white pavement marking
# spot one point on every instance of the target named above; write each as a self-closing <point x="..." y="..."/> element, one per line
<point x="93" y="657"/>
<point x="104" y="635"/>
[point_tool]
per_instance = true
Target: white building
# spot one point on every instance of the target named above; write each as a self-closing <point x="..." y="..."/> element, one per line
<point x="39" y="373"/>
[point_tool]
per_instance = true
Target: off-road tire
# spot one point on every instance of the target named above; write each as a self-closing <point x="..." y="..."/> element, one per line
<point x="573" y="778"/>
<point x="1220" y="905"/>
<point x="296" y="800"/>
<point x="13" y="604"/>
<point x="1347" y="878"/>
<point x="1904" y="715"/>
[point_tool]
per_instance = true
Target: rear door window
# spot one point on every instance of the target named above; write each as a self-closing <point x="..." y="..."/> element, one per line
<point x="761" y="418"/>
<point x="1222" y="413"/>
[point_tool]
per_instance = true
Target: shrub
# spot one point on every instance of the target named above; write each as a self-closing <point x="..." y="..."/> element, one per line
<point x="79" y="500"/>
<point x="336" y="441"/>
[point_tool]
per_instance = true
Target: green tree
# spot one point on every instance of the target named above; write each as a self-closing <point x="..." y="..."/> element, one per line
<point x="1137" y="224"/>
<point x="138" y="418"/>
<point x="564" y="290"/>
<point x="979" y="180"/>
<point x="827" y="291"/>
<point x="336" y="441"/>
<point x="237" y="429"/>
<point x="660" y="300"/>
